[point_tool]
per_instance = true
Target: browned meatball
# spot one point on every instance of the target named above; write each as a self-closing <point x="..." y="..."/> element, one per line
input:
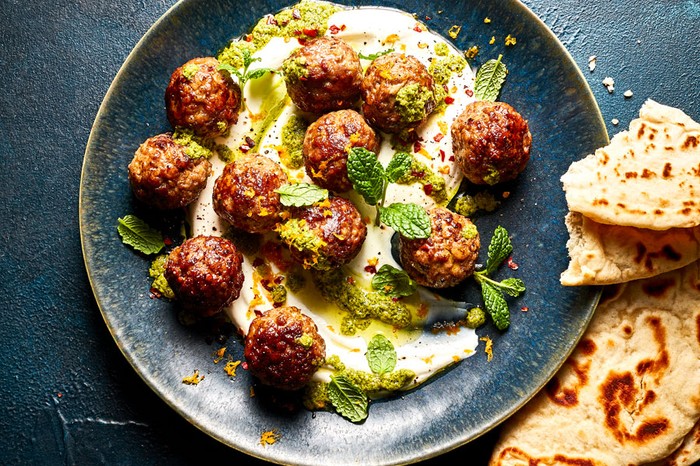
<point x="205" y="274"/>
<point x="244" y="195"/>
<point x="398" y="93"/>
<point x="327" y="143"/>
<point x="447" y="257"/>
<point x="491" y="142"/>
<point x="325" y="235"/>
<point x="283" y="348"/>
<point x="202" y="98"/>
<point x="324" y="75"/>
<point x="164" y="176"/>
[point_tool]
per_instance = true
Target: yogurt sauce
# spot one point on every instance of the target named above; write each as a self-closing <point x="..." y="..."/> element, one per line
<point x="368" y="30"/>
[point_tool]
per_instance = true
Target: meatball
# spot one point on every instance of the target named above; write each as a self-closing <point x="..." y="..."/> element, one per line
<point x="162" y="175"/>
<point x="445" y="258"/>
<point x="327" y="143"/>
<point x="397" y="90"/>
<point x="205" y="274"/>
<point x="324" y="75"/>
<point x="244" y="195"/>
<point x="325" y="235"/>
<point x="491" y="142"/>
<point x="202" y="98"/>
<point x="283" y="348"/>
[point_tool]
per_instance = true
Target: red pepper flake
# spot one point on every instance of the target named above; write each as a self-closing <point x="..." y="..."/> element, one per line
<point x="302" y="41"/>
<point x="244" y="364"/>
<point x="249" y="38"/>
<point x="442" y="155"/>
<point x="335" y="29"/>
<point x="452" y="158"/>
<point x="417" y="28"/>
<point x="428" y="18"/>
<point x="350" y="280"/>
<point x="154" y="294"/>
<point x="438" y="137"/>
<point x="310" y="32"/>
<point x="167" y="241"/>
<point x="59" y="394"/>
<point x="370" y="269"/>
<point x="279" y="279"/>
<point x="419" y="175"/>
<point x="524" y="309"/>
<point x="428" y="189"/>
<point x="271" y="20"/>
<point x="449" y="100"/>
<point x="296" y="14"/>
<point x="417" y="146"/>
<point x="512" y="265"/>
<point x="244" y="148"/>
<point x="258" y="261"/>
<point x="469" y="92"/>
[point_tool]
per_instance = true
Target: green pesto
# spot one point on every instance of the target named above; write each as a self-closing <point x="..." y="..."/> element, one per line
<point x="156" y="271"/>
<point x="195" y="147"/>
<point x="443" y="68"/>
<point x="293" y="133"/>
<point x="371" y="383"/>
<point x="188" y="71"/>
<point x="469" y="231"/>
<point x="315" y="397"/>
<point x="294" y="69"/>
<point x="305" y="340"/>
<point x="476" y="317"/>
<point x="441" y="49"/>
<point x="411" y="101"/>
<point x="468" y="205"/>
<point x="493" y="177"/>
<point x="421" y="173"/>
<point x="279" y="294"/>
<point x="361" y="304"/>
<point x="233" y="54"/>
<point x="307" y="15"/>
<point x="295" y="280"/>
<point x="225" y="153"/>
<point x="350" y="325"/>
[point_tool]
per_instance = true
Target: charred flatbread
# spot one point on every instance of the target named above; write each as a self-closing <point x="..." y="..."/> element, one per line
<point x="603" y="254"/>
<point x="630" y="392"/>
<point x="647" y="177"/>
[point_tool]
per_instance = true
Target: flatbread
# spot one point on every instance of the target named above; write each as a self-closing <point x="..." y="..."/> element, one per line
<point x="604" y="254"/>
<point x="630" y="392"/>
<point x="688" y="453"/>
<point x="647" y="177"/>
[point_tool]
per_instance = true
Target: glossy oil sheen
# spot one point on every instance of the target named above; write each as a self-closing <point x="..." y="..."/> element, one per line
<point x="544" y="85"/>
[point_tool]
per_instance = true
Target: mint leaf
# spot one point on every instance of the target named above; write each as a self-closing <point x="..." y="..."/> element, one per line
<point x="393" y="282"/>
<point x="496" y="305"/>
<point x="381" y="355"/>
<point x="231" y="69"/>
<point x="513" y="286"/>
<point x="499" y="249"/>
<point x="348" y="399"/>
<point x="399" y="165"/>
<point x="259" y="73"/>
<point x="374" y="56"/>
<point x="139" y="235"/>
<point x="366" y="174"/>
<point x="490" y="79"/>
<point x="301" y="194"/>
<point x="409" y="220"/>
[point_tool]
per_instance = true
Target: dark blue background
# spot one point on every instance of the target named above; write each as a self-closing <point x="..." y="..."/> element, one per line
<point x="67" y="393"/>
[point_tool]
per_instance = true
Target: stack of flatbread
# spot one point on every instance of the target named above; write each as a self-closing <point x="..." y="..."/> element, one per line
<point x="630" y="392"/>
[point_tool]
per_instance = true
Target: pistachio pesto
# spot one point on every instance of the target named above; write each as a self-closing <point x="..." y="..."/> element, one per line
<point x="292" y="142"/>
<point x="411" y="101"/>
<point x="421" y="173"/>
<point x="306" y="20"/>
<point x="194" y="146"/>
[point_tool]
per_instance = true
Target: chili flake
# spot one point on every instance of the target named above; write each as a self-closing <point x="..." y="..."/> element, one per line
<point x="449" y="100"/>
<point x="511" y="264"/>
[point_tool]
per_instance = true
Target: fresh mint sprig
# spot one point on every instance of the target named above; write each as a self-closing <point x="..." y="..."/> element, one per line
<point x="381" y="355"/>
<point x="489" y="79"/>
<point x="370" y="179"/>
<point x="139" y="235"/>
<point x="301" y="194"/>
<point x="374" y="56"/>
<point x="393" y="282"/>
<point x="493" y="291"/>
<point x="247" y="74"/>
<point x="349" y="400"/>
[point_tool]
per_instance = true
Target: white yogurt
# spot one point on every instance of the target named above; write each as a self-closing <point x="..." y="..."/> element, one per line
<point x="418" y="349"/>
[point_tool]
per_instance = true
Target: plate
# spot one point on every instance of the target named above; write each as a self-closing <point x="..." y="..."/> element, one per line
<point x="464" y="402"/>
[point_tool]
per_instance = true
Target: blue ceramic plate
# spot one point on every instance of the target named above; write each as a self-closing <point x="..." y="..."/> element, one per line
<point x="544" y="84"/>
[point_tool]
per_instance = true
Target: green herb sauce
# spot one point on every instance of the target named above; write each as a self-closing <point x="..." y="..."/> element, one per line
<point x="305" y="20"/>
<point x="411" y="101"/>
<point x="371" y="383"/>
<point x="293" y="134"/>
<point x="421" y="173"/>
<point x="468" y="205"/>
<point x="361" y="305"/>
<point x="156" y="272"/>
<point x="195" y="147"/>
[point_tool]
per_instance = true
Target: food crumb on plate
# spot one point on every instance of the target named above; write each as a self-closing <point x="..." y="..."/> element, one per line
<point x="193" y="379"/>
<point x="592" y="62"/>
<point x="609" y="84"/>
<point x="615" y="121"/>
<point x="269" y="437"/>
<point x="628" y="93"/>
<point x="488" y="347"/>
